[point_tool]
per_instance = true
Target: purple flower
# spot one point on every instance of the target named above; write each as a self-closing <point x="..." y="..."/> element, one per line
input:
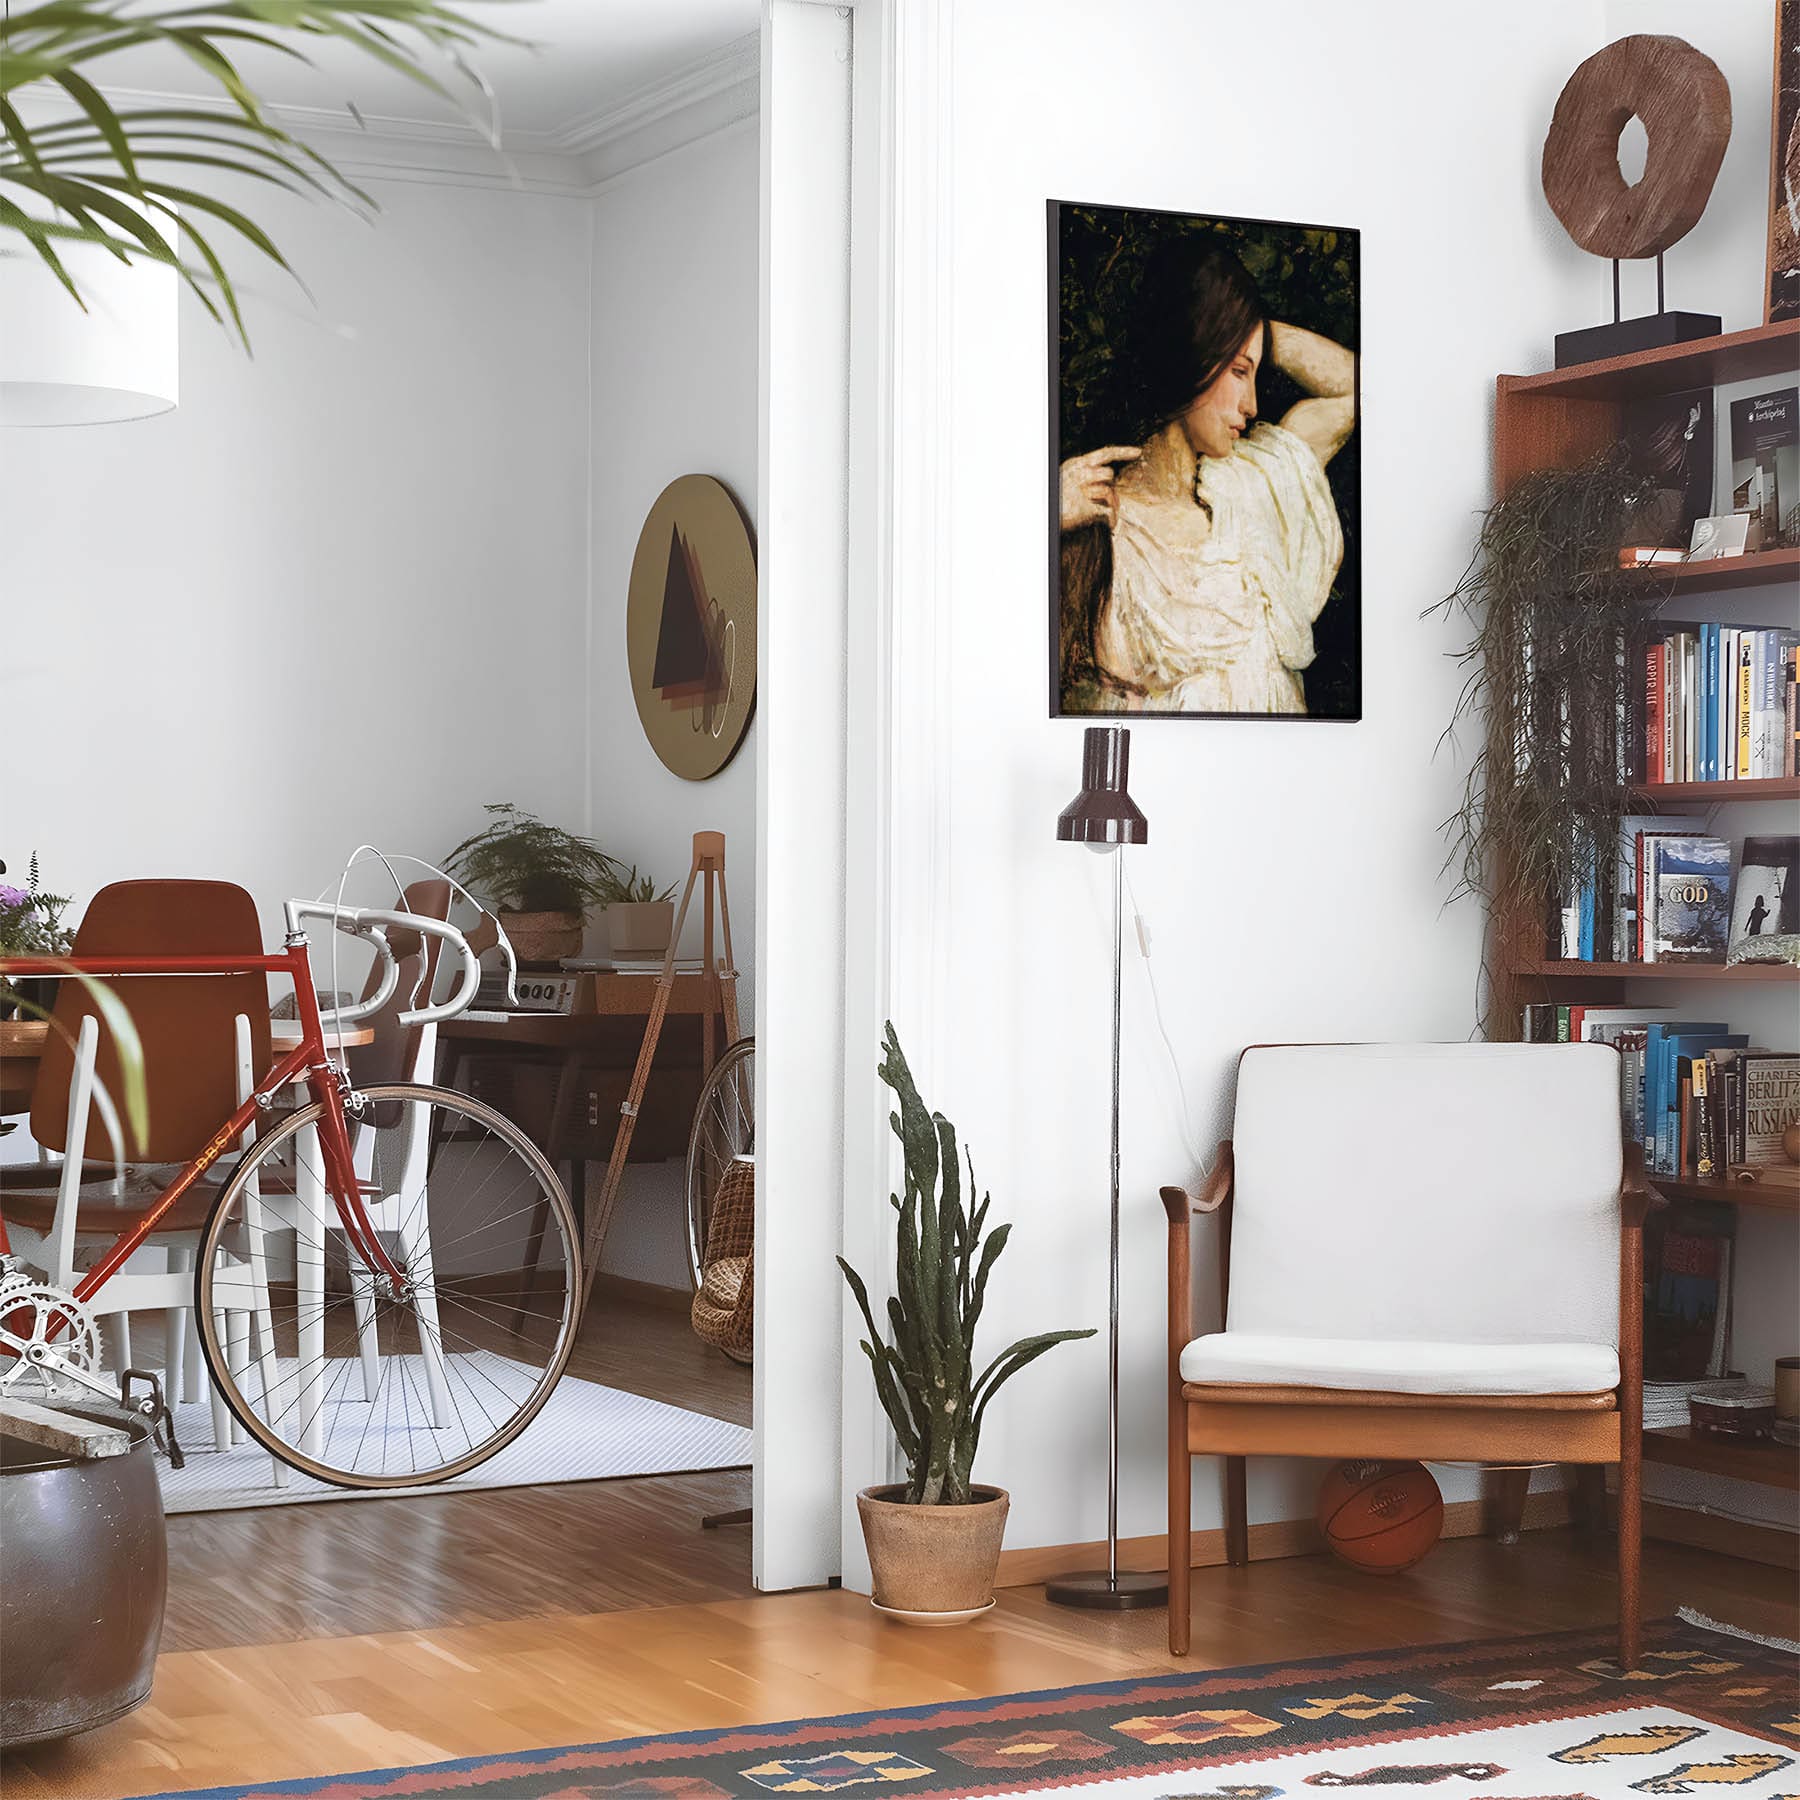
<point x="13" y="896"/>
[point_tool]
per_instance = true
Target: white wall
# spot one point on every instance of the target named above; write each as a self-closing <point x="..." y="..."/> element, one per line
<point x="1292" y="879"/>
<point x="674" y="358"/>
<point x="378" y="525"/>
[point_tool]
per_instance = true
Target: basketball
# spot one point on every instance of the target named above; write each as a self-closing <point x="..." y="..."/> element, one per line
<point x="1380" y="1517"/>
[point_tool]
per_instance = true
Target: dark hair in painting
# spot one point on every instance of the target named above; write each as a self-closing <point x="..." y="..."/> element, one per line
<point x="1198" y="306"/>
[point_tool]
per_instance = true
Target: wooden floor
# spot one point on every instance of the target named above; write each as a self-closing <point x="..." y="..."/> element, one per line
<point x="320" y="1639"/>
<point x="337" y="1704"/>
<point x="335" y="1568"/>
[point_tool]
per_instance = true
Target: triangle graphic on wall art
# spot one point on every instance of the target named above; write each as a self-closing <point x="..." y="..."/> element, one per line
<point x="688" y="670"/>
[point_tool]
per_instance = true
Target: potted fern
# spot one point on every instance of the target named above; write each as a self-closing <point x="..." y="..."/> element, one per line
<point x="542" y="878"/>
<point x="934" y="1539"/>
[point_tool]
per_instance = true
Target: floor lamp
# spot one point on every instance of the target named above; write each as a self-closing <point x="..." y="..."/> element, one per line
<point x="1104" y="817"/>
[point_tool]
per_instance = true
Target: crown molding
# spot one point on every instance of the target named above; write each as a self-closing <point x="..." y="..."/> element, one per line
<point x="724" y="73"/>
<point x="706" y="96"/>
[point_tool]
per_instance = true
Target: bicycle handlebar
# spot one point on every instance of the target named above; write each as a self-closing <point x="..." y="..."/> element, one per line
<point x="373" y="924"/>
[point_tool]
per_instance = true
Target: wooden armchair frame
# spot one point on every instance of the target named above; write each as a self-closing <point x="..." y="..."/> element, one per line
<point x="1237" y="1420"/>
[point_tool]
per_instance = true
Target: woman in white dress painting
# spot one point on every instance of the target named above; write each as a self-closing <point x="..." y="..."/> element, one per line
<point x="1195" y="563"/>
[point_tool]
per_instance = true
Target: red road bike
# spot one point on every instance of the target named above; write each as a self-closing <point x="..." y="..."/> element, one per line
<point x="388" y="1279"/>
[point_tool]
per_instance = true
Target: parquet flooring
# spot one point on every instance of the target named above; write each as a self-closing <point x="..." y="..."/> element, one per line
<point x="335" y="1704"/>
<point x="333" y="1569"/>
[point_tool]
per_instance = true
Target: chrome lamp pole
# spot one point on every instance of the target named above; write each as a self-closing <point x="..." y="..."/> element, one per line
<point x="1104" y="817"/>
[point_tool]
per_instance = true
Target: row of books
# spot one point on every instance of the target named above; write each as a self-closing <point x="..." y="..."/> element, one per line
<point x="1719" y="704"/>
<point x="1677" y="894"/>
<point x="1699" y="1097"/>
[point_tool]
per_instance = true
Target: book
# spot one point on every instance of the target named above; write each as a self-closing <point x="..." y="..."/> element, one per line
<point x="1769" y="1102"/>
<point x="1766" y="897"/>
<point x="1765" y="460"/>
<point x="1669" y="439"/>
<point x="1687" y="1301"/>
<point x="1741" y="756"/>
<point x="1626" y="946"/>
<point x="1689" y="881"/>
<point x="1768" y="701"/>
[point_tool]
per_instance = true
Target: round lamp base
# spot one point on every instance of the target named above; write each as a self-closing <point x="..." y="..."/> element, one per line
<point x="1099" y="1592"/>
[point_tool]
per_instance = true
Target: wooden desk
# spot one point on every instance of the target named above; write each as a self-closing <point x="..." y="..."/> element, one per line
<point x="561" y="1077"/>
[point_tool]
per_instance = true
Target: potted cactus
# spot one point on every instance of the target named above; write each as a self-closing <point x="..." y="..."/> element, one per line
<point x="934" y="1539"/>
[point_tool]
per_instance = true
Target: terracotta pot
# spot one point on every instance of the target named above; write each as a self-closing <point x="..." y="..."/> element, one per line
<point x="640" y="927"/>
<point x="542" y="939"/>
<point x="932" y="1559"/>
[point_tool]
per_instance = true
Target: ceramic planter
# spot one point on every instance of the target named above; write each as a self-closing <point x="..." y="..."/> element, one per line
<point x="542" y="939"/>
<point x="640" y="928"/>
<point x="933" y="1565"/>
<point x="81" y="1609"/>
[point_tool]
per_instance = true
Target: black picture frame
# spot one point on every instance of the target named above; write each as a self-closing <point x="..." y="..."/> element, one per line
<point x="1294" y="253"/>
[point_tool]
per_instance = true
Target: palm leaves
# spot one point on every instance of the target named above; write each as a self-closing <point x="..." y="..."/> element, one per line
<point x="925" y="1375"/>
<point x="129" y="182"/>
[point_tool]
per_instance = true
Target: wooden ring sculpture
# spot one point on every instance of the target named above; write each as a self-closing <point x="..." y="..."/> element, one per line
<point x="1685" y="104"/>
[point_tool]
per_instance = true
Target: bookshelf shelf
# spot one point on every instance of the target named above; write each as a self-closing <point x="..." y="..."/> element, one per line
<point x="1771" y="1198"/>
<point x="1764" y="350"/>
<point x="1757" y="569"/>
<point x="1758" y="1460"/>
<point x="1656" y="971"/>
<point x="1777" y="787"/>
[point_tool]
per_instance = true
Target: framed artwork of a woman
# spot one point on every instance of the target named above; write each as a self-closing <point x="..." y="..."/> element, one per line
<point x="1203" y="470"/>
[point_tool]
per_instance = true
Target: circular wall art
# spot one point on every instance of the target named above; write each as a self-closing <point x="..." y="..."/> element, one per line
<point x="690" y="626"/>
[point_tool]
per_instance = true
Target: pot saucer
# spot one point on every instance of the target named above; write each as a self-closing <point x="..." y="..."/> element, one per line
<point x="901" y="1616"/>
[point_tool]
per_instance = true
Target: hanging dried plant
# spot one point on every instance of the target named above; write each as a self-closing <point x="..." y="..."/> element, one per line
<point x="1549" y="680"/>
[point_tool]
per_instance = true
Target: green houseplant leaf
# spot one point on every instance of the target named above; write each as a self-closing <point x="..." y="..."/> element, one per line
<point x="924" y="1369"/>
<point x="122" y="179"/>
<point x="529" y="866"/>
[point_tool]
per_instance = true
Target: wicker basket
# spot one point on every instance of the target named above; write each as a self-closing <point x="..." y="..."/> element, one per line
<point x="722" y="1312"/>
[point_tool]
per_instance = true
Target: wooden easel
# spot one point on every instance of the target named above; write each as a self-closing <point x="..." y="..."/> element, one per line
<point x="721" y="998"/>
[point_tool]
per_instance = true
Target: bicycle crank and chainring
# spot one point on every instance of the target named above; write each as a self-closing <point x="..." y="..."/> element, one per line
<point x="47" y="1340"/>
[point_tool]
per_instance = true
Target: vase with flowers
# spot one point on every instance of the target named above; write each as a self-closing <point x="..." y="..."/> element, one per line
<point x="30" y="925"/>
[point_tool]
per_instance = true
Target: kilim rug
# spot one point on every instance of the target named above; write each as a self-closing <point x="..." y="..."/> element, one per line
<point x="1543" y="1718"/>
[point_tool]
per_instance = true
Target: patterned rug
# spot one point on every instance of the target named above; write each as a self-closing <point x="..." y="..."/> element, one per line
<point x="1544" y="1718"/>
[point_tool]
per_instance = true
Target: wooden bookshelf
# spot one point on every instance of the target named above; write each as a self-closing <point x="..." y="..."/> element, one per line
<point x="1558" y="420"/>
<point x="1744" y="1459"/>
<point x="1763" y="350"/>
<point x="1772" y="1197"/>
<point x="1759" y="568"/>
<point x="1715" y="793"/>
<point x="1551" y="970"/>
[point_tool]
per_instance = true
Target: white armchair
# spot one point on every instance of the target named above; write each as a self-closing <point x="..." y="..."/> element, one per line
<point x="1426" y="1251"/>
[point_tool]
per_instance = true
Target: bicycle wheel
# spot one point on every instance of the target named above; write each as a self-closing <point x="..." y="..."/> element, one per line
<point x="724" y="1126"/>
<point x="333" y="1367"/>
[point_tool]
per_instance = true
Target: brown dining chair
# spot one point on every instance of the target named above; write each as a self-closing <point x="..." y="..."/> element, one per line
<point x="197" y="1035"/>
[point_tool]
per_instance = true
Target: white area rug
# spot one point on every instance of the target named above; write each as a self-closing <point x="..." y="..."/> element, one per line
<point x="586" y="1432"/>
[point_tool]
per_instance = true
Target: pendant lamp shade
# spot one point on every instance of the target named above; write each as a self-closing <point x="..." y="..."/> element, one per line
<point x="120" y="359"/>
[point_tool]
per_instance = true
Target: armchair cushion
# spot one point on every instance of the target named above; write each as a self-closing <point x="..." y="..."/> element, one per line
<point x="1438" y="1193"/>
<point x="1411" y="1367"/>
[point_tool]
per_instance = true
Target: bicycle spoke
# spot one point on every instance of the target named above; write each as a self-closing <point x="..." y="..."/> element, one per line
<point x="369" y="1384"/>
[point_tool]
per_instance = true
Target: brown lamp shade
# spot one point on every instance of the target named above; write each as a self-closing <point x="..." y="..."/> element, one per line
<point x="1103" y="812"/>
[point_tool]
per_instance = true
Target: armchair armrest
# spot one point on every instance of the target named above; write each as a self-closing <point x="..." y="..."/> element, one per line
<point x="1180" y="1205"/>
<point x="1636" y="1196"/>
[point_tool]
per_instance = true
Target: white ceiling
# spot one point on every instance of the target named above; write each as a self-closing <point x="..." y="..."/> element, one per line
<point x="589" y="59"/>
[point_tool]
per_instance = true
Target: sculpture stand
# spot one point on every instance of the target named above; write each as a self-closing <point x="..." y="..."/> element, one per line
<point x="1624" y="337"/>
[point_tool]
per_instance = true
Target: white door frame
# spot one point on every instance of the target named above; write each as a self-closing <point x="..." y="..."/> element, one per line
<point x="853" y="861"/>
